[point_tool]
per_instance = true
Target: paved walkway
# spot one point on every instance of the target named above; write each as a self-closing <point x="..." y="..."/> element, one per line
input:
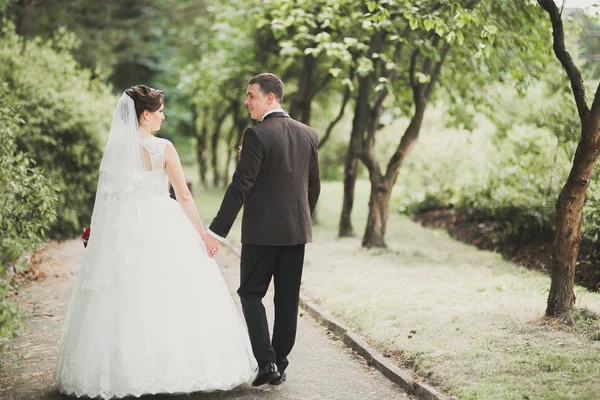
<point x="320" y="366"/>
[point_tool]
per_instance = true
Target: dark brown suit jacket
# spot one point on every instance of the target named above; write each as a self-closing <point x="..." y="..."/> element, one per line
<point x="277" y="181"/>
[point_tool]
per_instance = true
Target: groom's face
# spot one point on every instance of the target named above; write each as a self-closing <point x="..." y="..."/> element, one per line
<point x="256" y="101"/>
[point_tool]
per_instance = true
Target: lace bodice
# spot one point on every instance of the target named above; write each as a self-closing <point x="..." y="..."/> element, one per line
<point x="149" y="182"/>
<point x="156" y="148"/>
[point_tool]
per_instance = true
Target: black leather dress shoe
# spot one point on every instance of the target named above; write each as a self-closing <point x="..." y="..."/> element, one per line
<point x="278" y="381"/>
<point x="266" y="374"/>
<point x="282" y="364"/>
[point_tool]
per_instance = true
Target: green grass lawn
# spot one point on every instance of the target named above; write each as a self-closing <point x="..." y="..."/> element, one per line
<point x="461" y="318"/>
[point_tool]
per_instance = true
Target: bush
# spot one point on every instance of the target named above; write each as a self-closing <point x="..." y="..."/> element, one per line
<point x="442" y="163"/>
<point x="27" y="204"/>
<point x="522" y="182"/>
<point x="510" y="172"/>
<point x="52" y="116"/>
<point x="65" y="113"/>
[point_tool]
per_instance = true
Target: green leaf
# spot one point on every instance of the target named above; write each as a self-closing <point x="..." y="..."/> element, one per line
<point x="347" y="82"/>
<point x="428" y="24"/>
<point x="450" y="37"/>
<point x="439" y="29"/>
<point x="491" y="29"/>
<point x="422" y="78"/>
<point x="414" y="23"/>
<point x="335" y="72"/>
<point x="371" y="6"/>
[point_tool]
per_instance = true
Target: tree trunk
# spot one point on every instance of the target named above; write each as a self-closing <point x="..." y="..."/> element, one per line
<point x="200" y="144"/>
<point x="382" y="185"/>
<point x="569" y="207"/>
<point x="350" y="175"/>
<point x="240" y="122"/>
<point x="379" y="203"/>
<point x="355" y="147"/>
<point x="301" y="104"/>
<point x="332" y="124"/>
<point x="215" y="148"/>
<point x="567" y="236"/>
<point x="24" y="17"/>
<point x="232" y="148"/>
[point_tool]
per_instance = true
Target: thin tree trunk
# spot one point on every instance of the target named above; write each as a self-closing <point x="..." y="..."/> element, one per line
<point x="345" y="99"/>
<point x="301" y="104"/>
<point x="215" y="148"/>
<point x="231" y="142"/>
<point x="359" y="125"/>
<point x="215" y="158"/>
<point x="382" y="185"/>
<point x="380" y="192"/>
<point x="350" y="174"/>
<point x="200" y="144"/>
<point x="240" y="122"/>
<point x="569" y="207"/>
<point x="24" y="17"/>
<point x="569" y="212"/>
<point x="379" y="202"/>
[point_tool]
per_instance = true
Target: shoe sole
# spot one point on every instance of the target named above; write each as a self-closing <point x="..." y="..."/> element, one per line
<point x="267" y="380"/>
<point x="278" y="381"/>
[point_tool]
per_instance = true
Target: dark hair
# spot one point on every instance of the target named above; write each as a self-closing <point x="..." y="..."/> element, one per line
<point x="145" y="98"/>
<point x="269" y="83"/>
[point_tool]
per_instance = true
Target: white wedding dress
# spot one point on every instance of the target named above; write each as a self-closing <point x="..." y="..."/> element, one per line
<point x="150" y="311"/>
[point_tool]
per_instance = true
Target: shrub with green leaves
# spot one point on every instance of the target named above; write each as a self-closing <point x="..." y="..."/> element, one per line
<point x="27" y="206"/>
<point x="510" y="171"/>
<point x="444" y="162"/>
<point x="65" y="113"/>
<point x="523" y="181"/>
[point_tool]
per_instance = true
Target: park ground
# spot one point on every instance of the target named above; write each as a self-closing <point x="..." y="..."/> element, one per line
<point x="463" y="319"/>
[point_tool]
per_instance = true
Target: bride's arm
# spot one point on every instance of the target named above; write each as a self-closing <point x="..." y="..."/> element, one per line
<point x="182" y="192"/>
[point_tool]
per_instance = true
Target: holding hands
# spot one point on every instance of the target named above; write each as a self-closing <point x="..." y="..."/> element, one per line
<point x="212" y="244"/>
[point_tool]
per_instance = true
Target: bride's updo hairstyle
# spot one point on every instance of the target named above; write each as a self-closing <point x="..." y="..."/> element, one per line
<point x="145" y="98"/>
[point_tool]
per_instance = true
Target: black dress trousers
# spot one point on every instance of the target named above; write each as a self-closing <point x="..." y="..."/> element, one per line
<point x="258" y="265"/>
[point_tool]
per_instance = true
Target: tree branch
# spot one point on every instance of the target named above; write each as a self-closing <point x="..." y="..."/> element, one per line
<point x="411" y="69"/>
<point x="346" y="98"/>
<point x="436" y="70"/>
<point x="564" y="57"/>
<point x="594" y="117"/>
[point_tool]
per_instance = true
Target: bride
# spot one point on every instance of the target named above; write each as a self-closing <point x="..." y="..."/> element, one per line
<point x="150" y="312"/>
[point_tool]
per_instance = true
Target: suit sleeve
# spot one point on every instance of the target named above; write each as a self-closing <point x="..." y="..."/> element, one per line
<point x="314" y="180"/>
<point x="244" y="178"/>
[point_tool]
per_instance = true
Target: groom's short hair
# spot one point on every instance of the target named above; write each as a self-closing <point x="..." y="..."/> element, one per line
<point x="269" y="83"/>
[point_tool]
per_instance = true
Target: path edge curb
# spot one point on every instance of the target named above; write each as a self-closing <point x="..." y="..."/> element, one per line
<point x="397" y="375"/>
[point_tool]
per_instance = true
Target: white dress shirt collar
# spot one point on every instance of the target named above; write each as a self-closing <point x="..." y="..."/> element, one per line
<point x="272" y="111"/>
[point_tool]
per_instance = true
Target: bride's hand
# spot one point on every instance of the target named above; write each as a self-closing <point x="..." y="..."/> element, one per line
<point x="212" y="244"/>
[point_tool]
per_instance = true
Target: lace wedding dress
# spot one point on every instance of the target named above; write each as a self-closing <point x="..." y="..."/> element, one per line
<point x="150" y="311"/>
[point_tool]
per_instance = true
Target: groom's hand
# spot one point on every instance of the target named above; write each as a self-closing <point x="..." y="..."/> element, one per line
<point x="212" y="244"/>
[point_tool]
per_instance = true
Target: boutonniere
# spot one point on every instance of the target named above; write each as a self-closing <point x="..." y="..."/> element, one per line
<point x="239" y="152"/>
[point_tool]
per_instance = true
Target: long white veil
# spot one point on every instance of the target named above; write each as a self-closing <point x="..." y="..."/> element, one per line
<point x="122" y="161"/>
<point x="116" y="217"/>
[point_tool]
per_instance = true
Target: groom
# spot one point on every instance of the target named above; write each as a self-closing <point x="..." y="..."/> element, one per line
<point x="277" y="182"/>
